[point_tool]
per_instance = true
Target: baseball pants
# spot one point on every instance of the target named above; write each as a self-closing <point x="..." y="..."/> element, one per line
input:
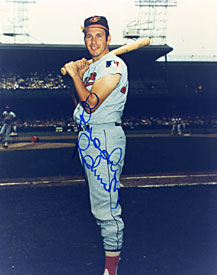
<point x="102" y="150"/>
<point x="5" y="131"/>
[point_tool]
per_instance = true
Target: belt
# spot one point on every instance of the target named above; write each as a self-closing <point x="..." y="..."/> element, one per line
<point x="94" y="126"/>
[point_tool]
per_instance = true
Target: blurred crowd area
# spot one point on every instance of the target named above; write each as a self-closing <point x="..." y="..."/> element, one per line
<point x="31" y="81"/>
<point x="53" y="80"/>
<point x="129" y="123"/>
<point x="191" y="121"/>
<point x="149" y="86"/>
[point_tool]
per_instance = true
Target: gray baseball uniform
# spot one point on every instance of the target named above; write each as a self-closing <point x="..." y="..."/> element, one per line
<point x="8" y="117"/>
<point x="101" y="145"/>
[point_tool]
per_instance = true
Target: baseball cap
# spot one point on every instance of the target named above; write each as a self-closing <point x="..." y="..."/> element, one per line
<point x="96" y="22"/>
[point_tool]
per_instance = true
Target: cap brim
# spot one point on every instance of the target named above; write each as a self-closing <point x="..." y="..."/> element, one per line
<point x="96" y="26"/>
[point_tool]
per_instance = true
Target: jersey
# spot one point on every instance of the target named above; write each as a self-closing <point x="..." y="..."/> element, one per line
<point x="112" y="107"/>
<point x="8" y="117"/>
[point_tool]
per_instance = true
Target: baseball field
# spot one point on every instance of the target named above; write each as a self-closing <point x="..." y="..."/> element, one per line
<point x="168" y="197"/>
<point x="146" y="154"/>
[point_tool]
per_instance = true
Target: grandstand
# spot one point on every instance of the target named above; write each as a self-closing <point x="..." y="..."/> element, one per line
<point x="30" y="81"/>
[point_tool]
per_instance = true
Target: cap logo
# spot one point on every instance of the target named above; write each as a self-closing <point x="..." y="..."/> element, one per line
<point x="94" y="19"/>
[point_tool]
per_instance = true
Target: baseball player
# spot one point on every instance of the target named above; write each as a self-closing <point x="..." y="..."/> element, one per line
<point x="176" y="126"/>
<point x="8" y="119"/>
<point x="101" y="92"/>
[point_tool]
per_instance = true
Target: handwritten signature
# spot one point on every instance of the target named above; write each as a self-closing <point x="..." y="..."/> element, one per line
<point x="92" y="163"/>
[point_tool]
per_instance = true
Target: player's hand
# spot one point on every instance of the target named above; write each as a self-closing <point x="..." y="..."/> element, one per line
<point x="82" y="66"/>
<point x="78" y="67"/>
<point x="71" y="69"/>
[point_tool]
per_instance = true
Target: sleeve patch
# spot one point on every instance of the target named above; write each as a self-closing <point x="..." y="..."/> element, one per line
<point x="112" y="64"/>
<point x="123" y="90"/>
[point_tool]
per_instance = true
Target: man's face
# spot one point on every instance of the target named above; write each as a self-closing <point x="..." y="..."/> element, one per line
<point x="95" y="41"/>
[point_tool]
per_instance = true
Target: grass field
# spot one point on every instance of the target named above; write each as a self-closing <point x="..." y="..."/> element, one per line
<point x="47" y="229"/>
<point x="50" y="231"/>
<point x="147" y="154"/>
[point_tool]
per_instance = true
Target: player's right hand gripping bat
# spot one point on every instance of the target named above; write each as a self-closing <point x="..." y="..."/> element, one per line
<point x="142" y="42"/>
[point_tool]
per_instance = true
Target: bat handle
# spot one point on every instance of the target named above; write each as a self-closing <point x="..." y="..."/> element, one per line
<point x="63" y="71"/>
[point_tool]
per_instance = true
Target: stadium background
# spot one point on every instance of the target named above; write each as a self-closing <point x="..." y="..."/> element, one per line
<point x="32" y="85"/>
<point x="156" y="88"/>
<point x="48" y="230"/>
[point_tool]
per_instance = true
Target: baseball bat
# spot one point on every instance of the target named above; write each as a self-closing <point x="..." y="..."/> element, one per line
<point x="139" y="43"/>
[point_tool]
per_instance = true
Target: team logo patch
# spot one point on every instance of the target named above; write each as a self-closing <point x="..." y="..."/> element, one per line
<point x="112" y="64"/>
<point x="123" y="90"/>
<point x="89" y="80"/>
<point x="95" y="19"/>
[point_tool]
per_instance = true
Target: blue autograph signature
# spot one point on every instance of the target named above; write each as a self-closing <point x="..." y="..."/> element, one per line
<point x="92" y="163"/>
